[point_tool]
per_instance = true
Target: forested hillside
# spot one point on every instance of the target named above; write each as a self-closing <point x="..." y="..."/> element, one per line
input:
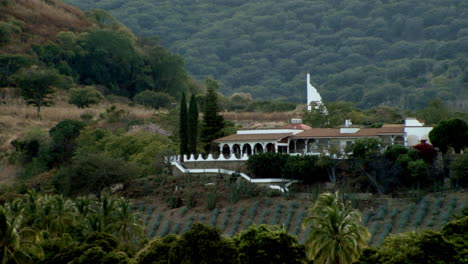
<point x="397" y="52"/>
<point x="91" y="48"/>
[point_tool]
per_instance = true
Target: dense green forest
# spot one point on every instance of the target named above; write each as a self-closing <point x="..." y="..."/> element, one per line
<point x="397" y="52"/>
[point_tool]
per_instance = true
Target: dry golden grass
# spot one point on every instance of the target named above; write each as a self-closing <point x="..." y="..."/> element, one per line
<point x="16" y="117"/>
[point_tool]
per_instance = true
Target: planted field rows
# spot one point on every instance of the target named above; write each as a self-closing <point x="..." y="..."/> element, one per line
<point x="428" y="213"/>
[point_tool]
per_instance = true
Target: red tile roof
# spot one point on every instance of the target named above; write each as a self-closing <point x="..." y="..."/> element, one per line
<point x="253" y="137"/>
<point x="362" y="132"/>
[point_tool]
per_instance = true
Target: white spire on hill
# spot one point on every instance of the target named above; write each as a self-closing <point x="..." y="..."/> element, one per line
<point x="314" y="100"/>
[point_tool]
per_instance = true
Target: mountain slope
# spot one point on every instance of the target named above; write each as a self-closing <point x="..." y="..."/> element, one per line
<point x="24" y="23"/>
<point x="399" y="52"/>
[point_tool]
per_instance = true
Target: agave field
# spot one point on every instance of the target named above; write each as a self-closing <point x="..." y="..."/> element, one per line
<point x="428" y="213"/>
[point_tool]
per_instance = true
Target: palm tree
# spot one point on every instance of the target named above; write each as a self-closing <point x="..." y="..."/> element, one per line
<point x="17" y="245"/>
<point x="336" y="236"/>
<point x="126" y="222"/>
<point x="63" y="215"/>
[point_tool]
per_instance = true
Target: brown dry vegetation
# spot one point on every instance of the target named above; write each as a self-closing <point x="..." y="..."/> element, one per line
<point x="40" y="21"/>
<point x="16" y="117"/>
<point x="258" y="116"/>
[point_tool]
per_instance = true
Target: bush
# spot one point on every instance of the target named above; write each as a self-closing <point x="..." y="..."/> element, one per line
<point x="64" y="136"/>
<point x="266" y="244"/>
<point x="267" y="164"/>
<point x="154" y="100"/>
<point x="204" y="244"/>
<point x="278" y="165"/>
<point x="92" y="173"/>
<point x="84" y="97"/>
<point x="427" y="152"/>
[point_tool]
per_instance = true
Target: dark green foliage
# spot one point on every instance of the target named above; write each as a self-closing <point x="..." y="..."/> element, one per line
<point x="393" y="151"/>
<point x="450" y="133"/>
<point x="302" y="168"/>
<point x="457" y="232"/>
<point x="278" y="165"/>
<point x="395" y="53"/>
<point x="434" y="112"/>
<point x="364" y="149"/>
<point x="212" y="122"/>
<point x="183" y="127"/>
<point x="459" y="170"/>
<point x="267" y="165"/>
<point x="92" y="173"/>
<point x="429" y="247"/>
<point x="111" y="57"/>
<point x="84" y="97"/>
<point x="10" y="64"/>
<point x="273" y="105"/>
<point x="167" y="71"/>
<point x="266" y="244"/>
<point x="193" y="125"/>
<point x="158" y="250"/>
<point x="153" y="99"/>
<point x="6" y="31"/>
<point x="37" y="86"/>
<point x="204" y="244"/>
<point x="63" y="137"/>
<point x="105" y="241"/>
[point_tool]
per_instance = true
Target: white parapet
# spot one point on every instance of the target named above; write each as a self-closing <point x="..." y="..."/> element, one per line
<point x="246" y="177"/>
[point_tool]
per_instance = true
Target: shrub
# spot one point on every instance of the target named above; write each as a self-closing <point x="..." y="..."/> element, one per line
<point x="393" y="151"/>
<point x="427" y="152"/>
<point x="265" y="244"/>
<point x="278" y="165"/>
<point x="63" y="137"/>
<point x="418" y="171"/>
<point x="92" y="173"/>
<point x="84" y="97"/>
<point x="33" y="145"/>
<point x="154" y="100"/>
<point x="267" y="165"/>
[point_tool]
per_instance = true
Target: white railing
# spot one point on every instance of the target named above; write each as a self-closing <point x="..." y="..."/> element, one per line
<point x="210" y="157"/>
<point x="246" y="177"/>
<point x="221" y="157"/>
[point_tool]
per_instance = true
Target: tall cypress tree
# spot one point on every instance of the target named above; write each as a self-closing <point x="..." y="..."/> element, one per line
<point x="212" y="122"/>
<point x="193" y="125"/>
<point x="183" y="130"/>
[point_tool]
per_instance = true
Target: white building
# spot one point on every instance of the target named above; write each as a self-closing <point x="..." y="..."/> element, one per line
<point x="295" y="139"/>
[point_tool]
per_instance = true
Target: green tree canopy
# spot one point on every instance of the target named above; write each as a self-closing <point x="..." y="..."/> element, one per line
<point x="183" y="127"/>
<point x="193" y="125"/>
<point x="213" y="123"/>
<point x="37" y="86"/>
<point x="84" y="97"/>
<point x="450" y="133"/>
<point x="265" y="244"/>
<point x="154" y="99"/>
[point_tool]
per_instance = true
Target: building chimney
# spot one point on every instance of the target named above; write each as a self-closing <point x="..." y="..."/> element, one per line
<point x="347" y="123"/>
